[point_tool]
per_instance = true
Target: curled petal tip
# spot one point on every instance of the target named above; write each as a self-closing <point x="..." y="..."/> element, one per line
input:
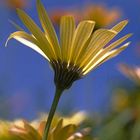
<point x="6" y="44"/>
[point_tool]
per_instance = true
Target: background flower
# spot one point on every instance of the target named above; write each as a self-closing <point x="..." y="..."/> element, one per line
<point x="133" y="73"/>
<point x="13" y="4"/>
<point x="102" y="15"/>
<point x="66" y="128"/>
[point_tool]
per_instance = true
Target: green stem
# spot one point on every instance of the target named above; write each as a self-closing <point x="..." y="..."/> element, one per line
<point x="57" y="96"/>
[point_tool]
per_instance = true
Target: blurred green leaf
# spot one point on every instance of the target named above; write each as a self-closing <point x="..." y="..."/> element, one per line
<point x="114" y="130"/>
<point x="136" y="131"/>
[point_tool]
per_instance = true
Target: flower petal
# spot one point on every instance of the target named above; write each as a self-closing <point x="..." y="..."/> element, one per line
<point x="66" y="132"/>
<point x="105" y="57"/>
<point x="16" y="25"/>
<point x="102" y="37"/>
<point x="81" y="35"/>
<point x="104" y="51"/>
<point x="67" y="28"/>
<point x="116" y="43"/>
<point x="99" y="39"/>
<point x="48" y="28"/>
<point x="120" y="26"/>
<point x="115" y="52"/>
<point x="27" y="40"/>
<point x="38" y="34"/>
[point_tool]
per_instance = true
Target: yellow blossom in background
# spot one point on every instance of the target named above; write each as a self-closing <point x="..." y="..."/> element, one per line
<point x="16" y="130"/>
<point x="133" y="73"/>
<point x="75" y="118"/>
<point x="123" y="100"/>
<point x="126" y="98"/>
<point x="26" y="131"/>
<point x="120" y="100"/>
<point x="102" y="15"/>
<point x="4" y="131"/>
<point x="16" y="3"/>
<point x="55" y="15"/>
<point x="79" y="50"/>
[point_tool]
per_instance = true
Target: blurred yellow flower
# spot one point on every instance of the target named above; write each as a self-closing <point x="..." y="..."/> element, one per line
<point x="120" y="100"/>
<point x="133" y="73"/>
<point x="18" y="129"/>
<point x="16" y="3"/>
<point x="26" y="131"/>
<point x="102" y="15"/>
<point x="75" y="118"/>
<point x="79" y="51"/>
<point x="55" y="15"/>
<point x="4" y="131"/>
<point x="123" y="100"/>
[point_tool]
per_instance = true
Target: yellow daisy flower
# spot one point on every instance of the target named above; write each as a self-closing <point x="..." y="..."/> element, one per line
<point x="75" y="118"/>
<point x="22" y="128"/>
<point x="131" y="73"/>
<point x="4" y="131"/>
<point x="103" y="16"/>
<point x="16" y="3"/>
<point x="100" y="13"/>
<point x="26" y="131"/>
<point x="120" y="100"/>
<point x="79" y="51"/>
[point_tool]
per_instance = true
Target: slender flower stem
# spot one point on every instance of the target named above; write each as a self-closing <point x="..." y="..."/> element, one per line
<point x="57" y="96"/>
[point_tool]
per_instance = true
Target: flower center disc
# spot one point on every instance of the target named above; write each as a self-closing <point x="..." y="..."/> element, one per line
<point x="65" y="74"/>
